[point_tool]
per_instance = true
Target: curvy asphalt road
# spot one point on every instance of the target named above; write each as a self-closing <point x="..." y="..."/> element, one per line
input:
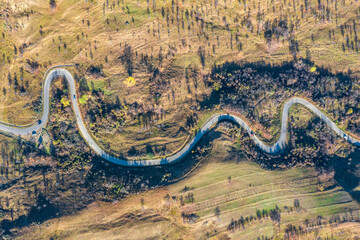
<point x="276" y="148"/>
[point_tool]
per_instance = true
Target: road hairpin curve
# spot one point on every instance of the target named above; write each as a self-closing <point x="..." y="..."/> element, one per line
<point x="59" y="71"/>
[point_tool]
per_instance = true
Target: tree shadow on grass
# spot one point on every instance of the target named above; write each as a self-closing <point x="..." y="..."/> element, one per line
<point x="42" y="210"/>
<point x="347" y="173"/>
<point x="140" y="178"/>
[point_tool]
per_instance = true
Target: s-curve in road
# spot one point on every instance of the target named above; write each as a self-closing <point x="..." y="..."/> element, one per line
<point x="61" y="72"/>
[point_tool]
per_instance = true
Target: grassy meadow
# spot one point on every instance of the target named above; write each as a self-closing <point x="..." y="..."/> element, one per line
<point x="158" y="213"/>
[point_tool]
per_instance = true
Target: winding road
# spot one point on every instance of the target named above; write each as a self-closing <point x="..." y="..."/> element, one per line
<point x="280" y="145"/>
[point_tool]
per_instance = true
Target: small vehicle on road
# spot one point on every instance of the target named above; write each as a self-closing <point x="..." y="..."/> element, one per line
<point x="74" y="96"/>
<point x="33" y="133"/>
<point x="40" y="121"/>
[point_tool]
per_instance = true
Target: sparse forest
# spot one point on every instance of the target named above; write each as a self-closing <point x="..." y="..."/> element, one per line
<point x="148" y="75"/>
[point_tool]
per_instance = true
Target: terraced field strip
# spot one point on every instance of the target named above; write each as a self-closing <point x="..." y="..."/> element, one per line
<point x="253" y="191"/>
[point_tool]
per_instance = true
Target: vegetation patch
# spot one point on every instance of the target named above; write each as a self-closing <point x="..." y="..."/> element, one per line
<point x="84" y="98"/>
<point x="64" y="101"/>
<point x="130" y="81"/>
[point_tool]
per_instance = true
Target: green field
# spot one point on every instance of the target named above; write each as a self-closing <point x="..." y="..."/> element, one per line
<point x="251" y="188"/>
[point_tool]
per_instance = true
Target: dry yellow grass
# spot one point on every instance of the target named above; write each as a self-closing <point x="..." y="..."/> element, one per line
<point x="148" y="35"/>
<point x="101" y="40"/>
<point x="160" y="218"/>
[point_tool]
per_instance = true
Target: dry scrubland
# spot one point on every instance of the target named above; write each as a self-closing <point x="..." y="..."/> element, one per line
<point x="143" y="87"/>
<point x="158" y="214"/>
